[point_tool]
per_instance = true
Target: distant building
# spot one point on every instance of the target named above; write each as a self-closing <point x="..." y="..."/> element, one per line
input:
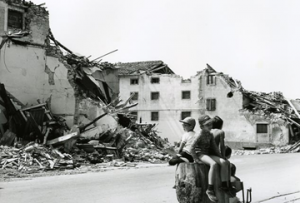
<point x="164" y="98"/>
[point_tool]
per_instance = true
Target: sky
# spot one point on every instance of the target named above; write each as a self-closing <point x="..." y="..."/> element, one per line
<point x="254" y="41"/>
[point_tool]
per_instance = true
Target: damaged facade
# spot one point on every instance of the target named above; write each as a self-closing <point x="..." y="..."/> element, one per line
<point x="164" y="98"/>
<point x="41" y="72"/>
<point x="250" y="119"/>
<point x="26" y="68"/>
<point x="58" y="109"/>
<point x="51" y="97"/>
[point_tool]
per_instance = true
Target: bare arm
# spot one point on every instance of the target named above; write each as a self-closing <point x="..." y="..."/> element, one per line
<point x="222" y="143"/>
<point x="193" y="153"/>
<point x="182" y="144"/>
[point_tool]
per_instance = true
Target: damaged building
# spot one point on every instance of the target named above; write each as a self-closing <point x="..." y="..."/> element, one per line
<point x="58" y="109"/>
<point x="46" y="90"/>
<point x="42" y="73"/>
<point x="251" y="119"/>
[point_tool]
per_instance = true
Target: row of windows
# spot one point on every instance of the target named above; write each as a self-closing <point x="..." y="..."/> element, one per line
<point x="210" y="103"/>
<point x="155" y="95"/>
<point x="135" y="81"/>
<point x="155" y="115"/>
<point x="260" y="128"/>
<point x="210" y="80"/>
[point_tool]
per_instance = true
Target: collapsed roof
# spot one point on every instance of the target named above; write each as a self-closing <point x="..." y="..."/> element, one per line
<point x="266" y="104"/>
<point x="143" y="67"/>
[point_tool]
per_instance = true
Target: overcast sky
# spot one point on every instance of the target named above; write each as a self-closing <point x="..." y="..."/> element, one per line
<point x="255" y="41"/>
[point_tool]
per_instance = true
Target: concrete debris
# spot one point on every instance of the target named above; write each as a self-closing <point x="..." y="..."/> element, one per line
<point x="272" y="150"/>
<point x="33" y="158"/>
<point x="51" y="146"/>
<point x="30" y="123"/>
<point x="145" y="154"/>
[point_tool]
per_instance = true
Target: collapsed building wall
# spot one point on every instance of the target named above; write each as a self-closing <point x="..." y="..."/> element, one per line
<point x="26" y="68"/>
<point x="243" y="128"/>
<point x="34" y="69"/>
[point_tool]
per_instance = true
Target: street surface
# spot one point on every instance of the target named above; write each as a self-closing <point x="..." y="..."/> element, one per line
<point x="271" y="177"/>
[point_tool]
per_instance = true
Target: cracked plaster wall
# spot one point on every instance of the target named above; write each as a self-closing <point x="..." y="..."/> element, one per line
<point x="88" y="110"/>
<point x="37" y="76"/>
<point x="35" y="20"/>
<point x="30" y="74"/>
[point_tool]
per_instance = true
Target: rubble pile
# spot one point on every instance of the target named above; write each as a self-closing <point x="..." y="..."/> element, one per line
<point x="131" y="145"/>
<point x="121" y="147"/>
<point x="32" y="139"/>
<point x="145" y="154"/>
<point x="271" y="150"/>
<point x="33" y="123"/>
<point x="33" y="158"/>
<point x="81" y="61"/>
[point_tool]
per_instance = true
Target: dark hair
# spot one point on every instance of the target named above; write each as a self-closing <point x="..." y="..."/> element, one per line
<point x="228" y="151"/>
<point x="217" y="123"/>
<point x="232" y="169"/>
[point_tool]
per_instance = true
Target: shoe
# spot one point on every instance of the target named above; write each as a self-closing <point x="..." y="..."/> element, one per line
<point x="224" y="189"/>
<point x="228" y="190"/>
<point x="232" y="192"/>
<point x="211" y="195"/>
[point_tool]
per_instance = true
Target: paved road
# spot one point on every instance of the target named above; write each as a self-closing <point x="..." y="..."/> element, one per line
<point x="267" y="175"/>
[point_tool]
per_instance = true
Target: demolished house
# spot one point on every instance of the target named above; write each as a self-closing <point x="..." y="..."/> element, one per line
<point x="59" y="108"/>
<point x="251" y="119"/>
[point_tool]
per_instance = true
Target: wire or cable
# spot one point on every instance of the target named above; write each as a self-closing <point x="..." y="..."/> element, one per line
<point x="4" y="57"/>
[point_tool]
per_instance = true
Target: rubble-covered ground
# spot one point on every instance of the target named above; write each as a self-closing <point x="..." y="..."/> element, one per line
<point x="34" y="160"/>
<point x="271" y="150"/>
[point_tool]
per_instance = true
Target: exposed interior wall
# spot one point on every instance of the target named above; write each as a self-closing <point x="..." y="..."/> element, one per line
<point x="29" y="73"/>
<point x="88" y="110"/>
<point x="57" y="85"/>
<point x="26" y="76"/>
<point x="110" y="76"/>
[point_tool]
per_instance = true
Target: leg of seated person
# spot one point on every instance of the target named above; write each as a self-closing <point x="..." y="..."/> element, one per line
<point x="213" y="165"/>
<point x="224" y="168"/>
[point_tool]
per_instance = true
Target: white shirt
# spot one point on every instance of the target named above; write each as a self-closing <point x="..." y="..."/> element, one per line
<point x="188" y="138"/>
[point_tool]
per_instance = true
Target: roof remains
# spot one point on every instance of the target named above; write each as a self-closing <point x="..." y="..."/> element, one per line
<point x="265" y="104"/>
<point x="143" y="67"/>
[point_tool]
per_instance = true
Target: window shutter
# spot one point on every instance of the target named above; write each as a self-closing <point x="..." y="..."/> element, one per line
<point x="2" y="18"/>
<point x="207" y="104"/>
<point x="213" y="104"/>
